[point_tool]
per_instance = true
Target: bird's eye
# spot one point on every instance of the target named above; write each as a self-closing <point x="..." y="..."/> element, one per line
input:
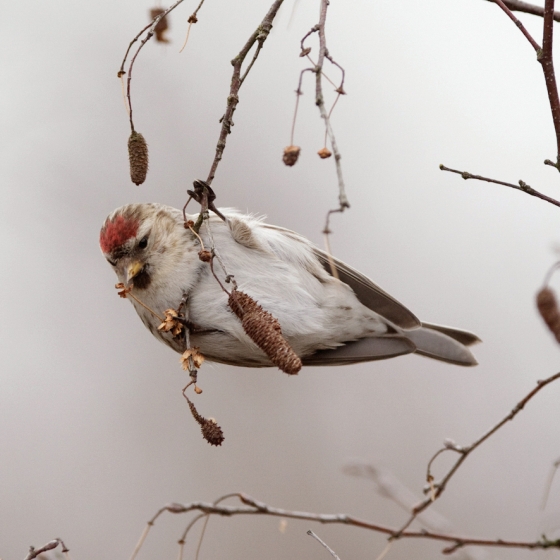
<point x="112" y="263"/>
<point x="143" y="243"/>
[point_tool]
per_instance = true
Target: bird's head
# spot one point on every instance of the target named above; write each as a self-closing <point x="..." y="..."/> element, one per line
<point x="142" y="242"/>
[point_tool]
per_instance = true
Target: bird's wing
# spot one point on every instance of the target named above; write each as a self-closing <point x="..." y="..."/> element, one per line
<point x="370" y="294"/>
<point x="363" y="350"/>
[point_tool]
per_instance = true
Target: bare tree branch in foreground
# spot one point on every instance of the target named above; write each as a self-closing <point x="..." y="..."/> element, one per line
<point x="35" y="552"/>
<point x="254" y="507"/>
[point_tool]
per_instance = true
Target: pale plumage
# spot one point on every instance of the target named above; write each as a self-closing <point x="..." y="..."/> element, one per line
<point x="327" y="321"/>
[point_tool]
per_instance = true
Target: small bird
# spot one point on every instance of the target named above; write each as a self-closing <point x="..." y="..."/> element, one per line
<point x="326" y="320"/>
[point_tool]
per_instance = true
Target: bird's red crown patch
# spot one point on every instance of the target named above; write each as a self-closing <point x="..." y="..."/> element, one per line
<point x="117" y="232"/>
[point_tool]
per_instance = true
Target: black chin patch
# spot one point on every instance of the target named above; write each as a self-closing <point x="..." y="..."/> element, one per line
<point x="142" y="280"/>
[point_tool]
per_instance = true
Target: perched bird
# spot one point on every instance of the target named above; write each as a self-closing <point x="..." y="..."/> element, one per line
<point x="326" y="320"/>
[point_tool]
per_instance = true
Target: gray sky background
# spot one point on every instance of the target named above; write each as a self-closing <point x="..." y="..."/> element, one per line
<point x="94" y="433"/>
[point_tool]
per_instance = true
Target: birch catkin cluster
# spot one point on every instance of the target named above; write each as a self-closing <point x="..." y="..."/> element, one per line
<point x="265" y="331"/>
<point x="138" y="157"/>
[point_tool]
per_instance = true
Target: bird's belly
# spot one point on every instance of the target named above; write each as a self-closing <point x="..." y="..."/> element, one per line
<point x="308" y="327"/>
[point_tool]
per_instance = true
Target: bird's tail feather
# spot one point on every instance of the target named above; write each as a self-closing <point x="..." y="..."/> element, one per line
<point x="464" y="337"/>
<point x="444" y="343"/>
<point x="441" y="343"/>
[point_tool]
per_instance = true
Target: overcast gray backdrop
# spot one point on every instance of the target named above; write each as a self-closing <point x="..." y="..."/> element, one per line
<point x="94" y="433"/>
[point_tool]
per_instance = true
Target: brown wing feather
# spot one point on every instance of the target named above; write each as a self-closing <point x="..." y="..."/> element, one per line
<point x="371" y="295"/>
<point x="368" y="293"/>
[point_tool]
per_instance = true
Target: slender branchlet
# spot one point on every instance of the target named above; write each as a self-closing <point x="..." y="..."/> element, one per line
<point x="544" y="57"/>
<point x="521" y="186"/>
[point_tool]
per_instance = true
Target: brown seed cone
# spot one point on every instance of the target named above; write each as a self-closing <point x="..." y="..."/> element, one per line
<point x="138" y="157"/>
<point x="211" y="432"/>
<point x="291" y="154"/>
<point x="548" y="308"/>
<point x="205" y="256"/>
<point x="324" y="153"/>
<point x="265" y="331"/>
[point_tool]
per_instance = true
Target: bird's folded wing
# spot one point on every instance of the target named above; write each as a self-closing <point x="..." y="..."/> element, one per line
<point x="369" y="294"/>
<point x="363" y="350"/>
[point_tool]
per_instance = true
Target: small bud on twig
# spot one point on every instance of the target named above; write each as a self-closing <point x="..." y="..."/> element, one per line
<point x="324" y="153"/>
<point x="265" y="331"/>
<point x="548" y="308"/>
<point x="138" y="157"/>
<point x="291" y="154"/>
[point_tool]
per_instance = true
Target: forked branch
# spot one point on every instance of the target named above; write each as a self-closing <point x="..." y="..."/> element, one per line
<point x="544" y="56"/>
<point x="259" y="36"/>
<point x="525" y="7"/>
<point x="436" y="489"/>
<point x="250" y="506"/>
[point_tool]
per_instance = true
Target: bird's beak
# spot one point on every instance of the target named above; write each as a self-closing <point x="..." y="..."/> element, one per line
<point x="133" y="270"/>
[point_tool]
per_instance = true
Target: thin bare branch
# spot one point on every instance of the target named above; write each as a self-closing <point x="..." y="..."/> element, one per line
<point x="141" y="540"/>
<point x="35" y="552"/>
<point x="320" y="102"/>
<point x="544" y="57"/>
<point x="121" y="71"/>
<point x="549" y="481"/>
<point x="547" y="63"/>
<point x="505" y="8"/>
<point x="465" y="451"/>
<point x="258" y="36"/>
<point x="332" y="552"/>
<point x="254" y="507"/>
<point x="192" y="20"/>
<point x="525" y="7"/>
<point x="299" y="93"/>
<point x="151" y="30"/>
<point x="522" y="186"/>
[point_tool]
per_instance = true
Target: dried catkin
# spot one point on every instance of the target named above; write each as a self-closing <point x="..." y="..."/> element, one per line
<point x="138" y="157"/>
<point x="211" y="432"/>
<point x="548" y="308"/>
<point x="265" y="331"/>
